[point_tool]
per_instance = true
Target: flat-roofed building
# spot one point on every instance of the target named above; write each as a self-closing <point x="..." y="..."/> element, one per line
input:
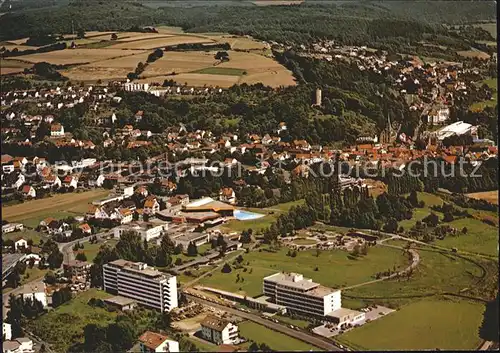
<point x="197" y="238"/>
<point x="345" y="316"/>
<point x="144" y="284"/>
<point x="301" y="294"/>
<point x="121" y="303"/>
<point x="146" y="230"/>
<point x="78" y="269"/>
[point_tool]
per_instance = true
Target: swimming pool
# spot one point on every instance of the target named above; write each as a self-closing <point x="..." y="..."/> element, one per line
<point x="245" y="215"/>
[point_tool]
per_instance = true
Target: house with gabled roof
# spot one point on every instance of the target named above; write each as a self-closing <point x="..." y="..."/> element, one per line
<point x="152" y="342"/>
<point x="28" y="191"/>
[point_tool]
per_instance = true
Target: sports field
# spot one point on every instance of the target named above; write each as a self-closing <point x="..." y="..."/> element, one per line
<point x="59" y="206"/>
<point x="422" y="325"/>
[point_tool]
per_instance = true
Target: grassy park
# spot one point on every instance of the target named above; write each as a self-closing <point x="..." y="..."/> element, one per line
<point x="336" y="268"/>
<point x="422" y="325"/>
<point x="437" y="273"/>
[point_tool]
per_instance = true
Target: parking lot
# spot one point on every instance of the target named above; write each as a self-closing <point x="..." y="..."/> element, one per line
<point x="373" y="313"/>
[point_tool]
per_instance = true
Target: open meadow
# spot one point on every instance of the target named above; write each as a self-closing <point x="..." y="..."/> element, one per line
<point x="436" y="274"/>
<point x="199" y="68"/>
<point x="335" y="268"/>
<point x="77" y="56"/>
<point x="159" y="42"/>
<point x="59" y="206"/>
<point x="490" y="196"/>
<point x="422" y="325"/>
<point x="12" y="66"/>
<point x="97" y="56"/>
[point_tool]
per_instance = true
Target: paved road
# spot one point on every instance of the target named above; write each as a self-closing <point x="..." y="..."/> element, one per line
<point x="307" y="337"/>
<point x="414" y="263"/>
<point x="67" y="248"/>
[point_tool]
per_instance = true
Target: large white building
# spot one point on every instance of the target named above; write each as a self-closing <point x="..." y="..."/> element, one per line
<point x="134" y="87"/>
<point x="146" y="230"/>
<point x="301" y="294"/>
<point x="458" y="128"/>
<point x="146" y="285"/>
<point x="35" y="291"/>
<point x="304" y="296"/>
<point x="219" y="331"/>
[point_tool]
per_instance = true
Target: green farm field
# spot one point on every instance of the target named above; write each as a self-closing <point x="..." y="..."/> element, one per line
<point x="59" y="206"/>
<point x="422" y="325"/>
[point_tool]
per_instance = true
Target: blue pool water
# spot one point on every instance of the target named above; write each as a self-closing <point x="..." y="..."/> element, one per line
<point x="245" y="215"/>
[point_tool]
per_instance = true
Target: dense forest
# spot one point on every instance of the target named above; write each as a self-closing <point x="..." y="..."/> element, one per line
<point x="350" y="23"/>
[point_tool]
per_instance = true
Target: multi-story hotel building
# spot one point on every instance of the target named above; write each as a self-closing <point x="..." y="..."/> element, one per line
<point x="301" y="294"/>
<point x="144" y="284"/>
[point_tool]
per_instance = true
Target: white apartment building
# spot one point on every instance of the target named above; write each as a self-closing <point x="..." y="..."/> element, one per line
<point x="144" y="284"/>
<point x="146" y="230"/>
<point x="219" y="331"/>
<point x="6" y="331"/>
<point x="152" y="342"/>
<point x="35" y="291"/>
<point x="134" y="87"/>
<point x="301" y="294"/>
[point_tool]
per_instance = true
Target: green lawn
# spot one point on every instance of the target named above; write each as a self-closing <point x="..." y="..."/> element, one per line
<point x="202" y="346"/>
<point x="26" y="234"/>
<point x="63" y="326"/>
<point x="492" y="83"/>
<point x="276" y="340"/>
<point x="185" y="257"/>
<point x="271" y="214"/>
<point x="289" y="320"/>
<point x="91" y="250"/>
<point x="336" y="269"/>
<point x="480" y="238"/>
<point x="436" y="273"/>
<point x="221" y="71"/>
<point x="425" y="324"/>
<point x="421" y="213"/>
<point x="32" y="274"/>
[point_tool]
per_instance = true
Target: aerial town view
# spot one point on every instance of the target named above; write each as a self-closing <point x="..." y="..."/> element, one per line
<point x="249" y="175"/>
